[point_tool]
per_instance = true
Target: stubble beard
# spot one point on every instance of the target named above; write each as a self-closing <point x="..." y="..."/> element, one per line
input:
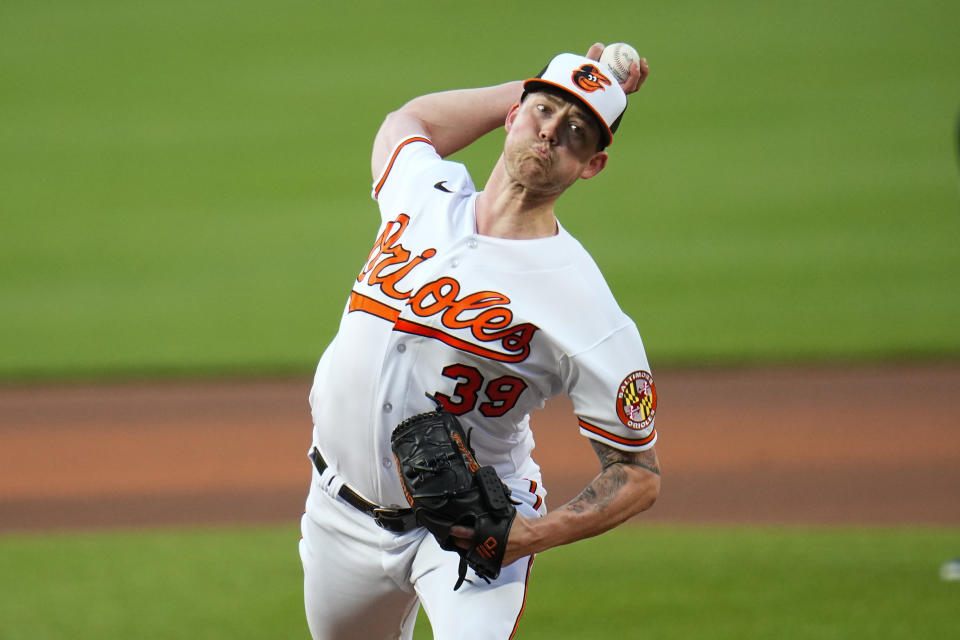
<point x="533" y="171"/>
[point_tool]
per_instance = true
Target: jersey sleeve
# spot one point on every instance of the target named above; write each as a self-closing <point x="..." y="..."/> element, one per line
<point x="414" y="173"/>
<point x="613" y="393"/>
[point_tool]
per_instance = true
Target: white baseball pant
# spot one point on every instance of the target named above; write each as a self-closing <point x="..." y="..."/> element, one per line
<point x="363" y="582"/>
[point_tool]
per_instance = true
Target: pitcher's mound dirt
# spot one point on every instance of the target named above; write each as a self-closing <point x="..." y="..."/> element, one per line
<point x="815" y="445"/>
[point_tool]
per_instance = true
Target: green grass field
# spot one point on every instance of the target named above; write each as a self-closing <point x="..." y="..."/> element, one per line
<point x="635" y="582"/>
<point x="184" y="191"/>
<point x="185" y="185"/>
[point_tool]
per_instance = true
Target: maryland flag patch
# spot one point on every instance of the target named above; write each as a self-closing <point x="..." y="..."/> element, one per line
<point x="637" y="400"/>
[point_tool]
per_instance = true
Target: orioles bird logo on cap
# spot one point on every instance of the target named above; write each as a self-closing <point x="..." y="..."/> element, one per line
<point x="589" y="78"/>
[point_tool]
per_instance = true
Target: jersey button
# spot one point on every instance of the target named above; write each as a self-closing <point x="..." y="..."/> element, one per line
<point x="454" y="264"/>
<point x="387" y="407"/>
<point x="387" y="462"/>
<point x="401" y="348"/>
<point x="472" y="243"/>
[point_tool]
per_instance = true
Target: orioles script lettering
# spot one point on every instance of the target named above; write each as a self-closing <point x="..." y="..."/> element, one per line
<point x="483" y="313"/>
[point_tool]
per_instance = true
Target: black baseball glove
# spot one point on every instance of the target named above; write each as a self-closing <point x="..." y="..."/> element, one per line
<point x="445" y="487"/>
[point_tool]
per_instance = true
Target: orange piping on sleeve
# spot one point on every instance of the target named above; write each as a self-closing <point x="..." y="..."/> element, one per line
<point x="393" y="158"/>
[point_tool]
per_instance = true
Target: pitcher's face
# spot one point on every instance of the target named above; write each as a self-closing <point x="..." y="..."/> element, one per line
<point x="551" y="142"/>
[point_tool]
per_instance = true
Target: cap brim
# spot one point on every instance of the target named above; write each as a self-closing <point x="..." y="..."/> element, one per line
<point x="532" y="84"/>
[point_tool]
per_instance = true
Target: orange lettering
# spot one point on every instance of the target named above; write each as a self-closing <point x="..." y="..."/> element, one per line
<point x="471" y="463"/>
<point x="474" y="301"/>
<point x="487" y="548"/>
<point x="444" y="293"/>
<point x="486" y="324"/>
<point x="491" y="318"/>
<point x="389" y="281"/>
<point x="383" y="242"/>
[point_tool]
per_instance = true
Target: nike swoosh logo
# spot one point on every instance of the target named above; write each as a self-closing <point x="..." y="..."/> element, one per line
<point x="440" y="187"/>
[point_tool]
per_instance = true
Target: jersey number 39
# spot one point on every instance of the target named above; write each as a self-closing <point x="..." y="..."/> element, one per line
<point x="501" y="393"/>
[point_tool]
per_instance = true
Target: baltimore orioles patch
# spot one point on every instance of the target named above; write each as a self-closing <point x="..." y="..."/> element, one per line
<point x="637" y="400"/>
<point x="589" y="78"/>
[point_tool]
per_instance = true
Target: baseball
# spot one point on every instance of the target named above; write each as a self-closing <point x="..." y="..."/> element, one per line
<point x="618" y="57"/>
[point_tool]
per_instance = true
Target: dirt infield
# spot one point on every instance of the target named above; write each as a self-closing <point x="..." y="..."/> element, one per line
<point x="849" y="445"/>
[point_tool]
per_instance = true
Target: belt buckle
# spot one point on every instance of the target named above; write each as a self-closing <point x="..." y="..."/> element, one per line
<point x="396" y="520"/>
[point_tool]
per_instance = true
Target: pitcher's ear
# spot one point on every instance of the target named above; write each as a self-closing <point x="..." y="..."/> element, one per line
<point x="595" y="165"/>
<point x="511" y="116"/>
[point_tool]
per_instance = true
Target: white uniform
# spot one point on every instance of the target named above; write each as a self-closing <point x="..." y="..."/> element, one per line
<point x="493" y="327"/>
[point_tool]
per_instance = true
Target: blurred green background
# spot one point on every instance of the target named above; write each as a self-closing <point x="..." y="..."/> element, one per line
<point x="633" y="582"/>
<point x="184" y="186"/>
<point x="184" y="190"/>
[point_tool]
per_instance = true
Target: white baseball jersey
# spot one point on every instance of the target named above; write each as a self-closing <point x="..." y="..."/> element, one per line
<point x="492" y="327"/>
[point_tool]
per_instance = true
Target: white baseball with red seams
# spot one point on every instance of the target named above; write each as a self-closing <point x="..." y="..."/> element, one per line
<point x="618" y="57"/>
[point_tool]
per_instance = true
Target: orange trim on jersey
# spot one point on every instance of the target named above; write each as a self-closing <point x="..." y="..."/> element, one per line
<point x="406" y="326"/>
<point x="533" y="490"/>
<point x="360" y="302"/>
<point x="615" y="438"/>
<point x="523" y="605"/>
<point x="396" y="152"/>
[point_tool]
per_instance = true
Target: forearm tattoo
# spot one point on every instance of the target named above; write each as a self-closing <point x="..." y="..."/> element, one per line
<point x="604" y="488"/>
<point x="610" y="456"/>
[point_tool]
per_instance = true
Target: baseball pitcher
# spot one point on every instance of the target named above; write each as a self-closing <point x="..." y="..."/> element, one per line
<point x="471" y="309"/>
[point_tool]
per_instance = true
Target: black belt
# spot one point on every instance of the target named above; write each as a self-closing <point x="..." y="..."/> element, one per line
<point x="396" y="520"/>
